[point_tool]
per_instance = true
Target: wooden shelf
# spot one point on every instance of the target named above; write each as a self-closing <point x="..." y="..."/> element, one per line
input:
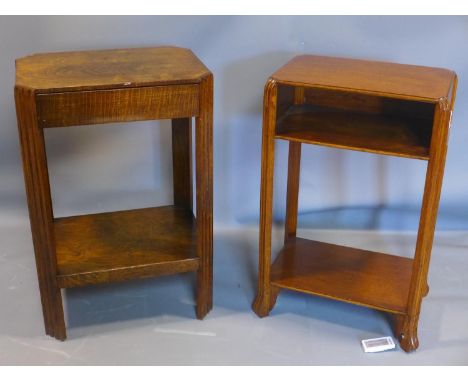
<point x="124" y="245"/>
<point x="366" y="278"/>
<point x="375" y="133"/>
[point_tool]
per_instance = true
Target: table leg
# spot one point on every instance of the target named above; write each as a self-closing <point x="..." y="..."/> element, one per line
<point x="182" y="161"/>
<point x="40" y="211"/>
<point x="408" y="325"/>
<point x="292" y="193"/>
<point x="204" y="180"/>
<point x="266" y="295"/>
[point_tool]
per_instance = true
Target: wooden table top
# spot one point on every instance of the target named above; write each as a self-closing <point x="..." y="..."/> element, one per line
<point x="109" y="69"/>
<point x="380" y="78"/>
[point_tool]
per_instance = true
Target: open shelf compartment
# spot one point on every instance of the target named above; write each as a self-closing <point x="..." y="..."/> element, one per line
<point x="356" y="122"/>
<point x="123" y="245"/>
<point x="361" y="277"/>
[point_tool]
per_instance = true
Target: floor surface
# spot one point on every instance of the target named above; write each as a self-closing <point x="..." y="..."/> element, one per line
<point x="152" y="322"/>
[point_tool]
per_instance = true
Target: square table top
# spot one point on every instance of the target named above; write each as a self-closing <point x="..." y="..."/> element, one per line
<point x="372" y="77"/>
<point x="109" y="69"/>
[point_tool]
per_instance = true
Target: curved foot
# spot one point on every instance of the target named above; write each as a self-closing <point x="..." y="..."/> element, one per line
<point x="265" y="302"/>
<point x="406" y="331"/>
<point x="409" y="342"/>
<point x="426" y="291"/>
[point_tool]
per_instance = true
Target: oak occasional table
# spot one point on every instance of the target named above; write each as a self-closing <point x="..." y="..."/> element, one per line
<point x="376" y="107"/>
<point x="55" y="90"/>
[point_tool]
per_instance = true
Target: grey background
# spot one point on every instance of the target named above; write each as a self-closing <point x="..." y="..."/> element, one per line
<point x="115" y="167"/>
<point x="119" y="166"/>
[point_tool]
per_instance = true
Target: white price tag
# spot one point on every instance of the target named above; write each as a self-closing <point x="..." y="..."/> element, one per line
<point x="374" y="345"/>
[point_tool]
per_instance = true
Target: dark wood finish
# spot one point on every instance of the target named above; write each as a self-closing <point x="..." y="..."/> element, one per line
<point x="266" y="295"/>
<point x="204" y="180"/>
<point x="367" y="77"/>
<point x="344" y="274"/>
<point x="406" y="329"/>
<point x="109" y="69"/>
<point x="76" y="88"/>
<point x="383" y="108"/>
<point x="182" y="162"/>
<point x="40" y="211"/>
<point x="292" y="194"/>
<point x="124" y="245"/>
<point x="294" y="171"/>
<point x="367" y="103"/>
<point x="117" y="105"/>
<point x="390" y="135"/>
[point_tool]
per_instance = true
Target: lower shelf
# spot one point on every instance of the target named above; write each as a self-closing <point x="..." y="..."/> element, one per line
<point x="371" y="279"/>
<point x="124" y="245"/>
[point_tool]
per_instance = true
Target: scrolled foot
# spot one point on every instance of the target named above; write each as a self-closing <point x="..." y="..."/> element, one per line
<point x="265" y="301"/>
<point x="406" y="331"/>
<point x="261" y="305"/>
<point x="409" y="342"/>
<point x="426" y="290"/>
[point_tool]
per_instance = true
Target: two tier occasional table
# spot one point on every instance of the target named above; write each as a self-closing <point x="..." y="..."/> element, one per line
<point x="377" y="107"/>
<point x="56" y="90"/>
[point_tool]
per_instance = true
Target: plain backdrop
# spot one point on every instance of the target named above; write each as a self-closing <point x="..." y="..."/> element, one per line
<point x="121" y="166"/>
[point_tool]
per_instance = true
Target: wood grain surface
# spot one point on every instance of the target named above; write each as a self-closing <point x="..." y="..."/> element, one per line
<point x="364" y="76"/>
<point x="383" y="108"/>
<point x="117" y="105"/>
<point x="120" y="85"/>
<point x="36" y="178"/>
<point x="204" y="196"/>
<point x="123" y="245"/>
<point x="362" y="277"/>
<point x="374" y="133"/>
<point x="109" y="69"/>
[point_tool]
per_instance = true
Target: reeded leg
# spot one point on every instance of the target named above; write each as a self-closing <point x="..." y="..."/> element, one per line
<point x="266" y="295"/>
<point x="182" y="161"/>
<point x="40" y="211"/>
<point x="292" y="194"/>
<point x="204" y="179"/>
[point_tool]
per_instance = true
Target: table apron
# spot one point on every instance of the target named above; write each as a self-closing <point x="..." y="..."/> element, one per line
<point x="117" y="105"/>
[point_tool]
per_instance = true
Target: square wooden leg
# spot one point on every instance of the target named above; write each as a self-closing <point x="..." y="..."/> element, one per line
<point x="182" y="161"/>
<point x="204" y="180"/>
<point x="292" y="194"/>
<point x="40" y="211"/>
<point x="294" y="171"/>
